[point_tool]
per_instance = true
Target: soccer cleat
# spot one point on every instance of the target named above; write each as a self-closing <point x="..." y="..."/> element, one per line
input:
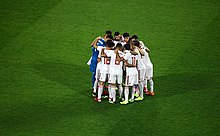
<point x="98" y="100"/>
<point x="139" y="99"/>
<point x="152" y="93"/>
<point x="147" y="93"/>
<point x="111" y="102"/>
<point x="94" y="94"/>
<point x="124" y="102"/>
<point x="131" y="100"/>
<point x="145" y="90"/>
<point x="136" y="95"/>
<point x="121" y="99"/>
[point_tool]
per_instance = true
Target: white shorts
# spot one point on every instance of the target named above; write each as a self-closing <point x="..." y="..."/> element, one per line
<point x="103" y="77"/>
<point x="131" y="80"/>
<point x="113" y="78"/>
<point x="141" y="75"/>
<point x="149" y="72"/>
<point x="97" y="74"/>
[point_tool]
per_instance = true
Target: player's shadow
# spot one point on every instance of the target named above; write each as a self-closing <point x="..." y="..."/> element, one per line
<point x="174" y="84"/>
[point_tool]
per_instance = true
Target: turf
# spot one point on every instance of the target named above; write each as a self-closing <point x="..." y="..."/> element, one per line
<point x="45" y="84"/>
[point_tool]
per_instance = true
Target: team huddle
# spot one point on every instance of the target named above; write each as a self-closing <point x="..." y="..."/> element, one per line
<point x="120" y="62"/>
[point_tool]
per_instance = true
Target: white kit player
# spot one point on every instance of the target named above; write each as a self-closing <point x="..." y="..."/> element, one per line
<point x="116" y="73"/>
<point x="130" y="62"/>
<point x="105" y="56"/>
<point x="141" y="70"/>
<point x="149" y="70"/>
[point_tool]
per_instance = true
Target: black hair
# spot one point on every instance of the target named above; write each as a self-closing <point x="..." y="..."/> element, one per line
<point x="110" y="43"/>
<point x="134" y="36"/>
<point x="136" y="43"/>
<point x="118" y="45"/>
<point x="108" y="32"/>
<point x="116" y="33"/>
<point x="109" y="36"/>
<point x="127" y="46"/>
<point x="125" y="34"/>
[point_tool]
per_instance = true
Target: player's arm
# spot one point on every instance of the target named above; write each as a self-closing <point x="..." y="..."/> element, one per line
<point x="118" y="58"/>
<point x="142" y="52"/>
<point x="103" y="53"/>
<point x="147" y="49"/>
<point x="128" y="64"/>
<point x="94" y="43"/>
<point x="134" y="52"/>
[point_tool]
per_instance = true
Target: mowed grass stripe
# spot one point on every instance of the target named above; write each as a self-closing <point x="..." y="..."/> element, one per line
<point x="48" y="51"/>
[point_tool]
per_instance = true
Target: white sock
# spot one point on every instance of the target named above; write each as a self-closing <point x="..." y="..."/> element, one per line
<point x="151" y="85"/>
<point x="100" y="90"/>
<point x="137" y="90"/>
<point x="126" y="92"/>
<point x="113" y="92"/>
<point x="95" y="86"/>
<point x="141" y="89"/>
<point x="120" y="90"/>
<point x="146" y="83"/>
<point x="109" y="91"/>
<point x="132" y="93"/>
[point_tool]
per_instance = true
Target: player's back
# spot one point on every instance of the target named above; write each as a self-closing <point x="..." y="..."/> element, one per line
<point x="131" y="59"/>
<point x="105" y="61"/>
<point x="116" y="65"/>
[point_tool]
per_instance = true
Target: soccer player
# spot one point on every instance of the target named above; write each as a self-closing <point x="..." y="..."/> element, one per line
<point x="125" y="38"/>
<point x="130" y="62"/>
<point x="97" y="46"/>
<point x="117" y="38"/>
<point x="149" y="70"/>
<point x="105" y="56"/>
<point x="115" y="73"/>
<point x="141" y="69"/>
<point x="149" y="67"/>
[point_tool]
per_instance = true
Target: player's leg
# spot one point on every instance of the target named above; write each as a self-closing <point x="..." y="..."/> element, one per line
<point x="150" y="80"/>
<point x="93" y="78"/>
<point x="151" y="83"/>
<point x="112" y="90"/>
<point x="126" y="94"/>
<point x="126" y="90"/>
<point x="101" y="85"/>
<point x="141" y="84"/>
<point x="120" y="88"/>
<point x="132" y="93"/>
<point x="96" y="82"/>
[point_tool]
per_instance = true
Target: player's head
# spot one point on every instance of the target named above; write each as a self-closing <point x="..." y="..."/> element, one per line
<point x="135" y="37"/>
<point x="127" y="46"/>
<point x="108" y="37"/>
<point x="118" y="46"/>
<point x="136" y="43"/>
<point x="108" y="32"/>
<point x="116" y="33"/>
<point x="110" y="43"/>
<point x="125" y="34"/>
<point x="126" y="37"/>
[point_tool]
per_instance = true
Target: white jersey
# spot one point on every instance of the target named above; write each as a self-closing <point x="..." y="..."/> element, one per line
<point x="115" y="42"/>
<point x="141" y="64"/>
<point x="105" y="61"/>
<point x="115" y="65"/>
<point x="131" y="59"/>
<point x="146" y="58"/>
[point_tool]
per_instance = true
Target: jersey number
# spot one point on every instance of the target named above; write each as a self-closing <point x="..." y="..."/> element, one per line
<point x="107" y="60"/>
<point x="117" y="62"/>
<point x="134" y="61"/>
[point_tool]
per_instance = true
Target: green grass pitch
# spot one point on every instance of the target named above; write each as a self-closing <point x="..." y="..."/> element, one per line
<point x="45" y="84"/>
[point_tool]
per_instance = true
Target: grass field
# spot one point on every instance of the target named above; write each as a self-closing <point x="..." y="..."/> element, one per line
<point x="45" y="84"/>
